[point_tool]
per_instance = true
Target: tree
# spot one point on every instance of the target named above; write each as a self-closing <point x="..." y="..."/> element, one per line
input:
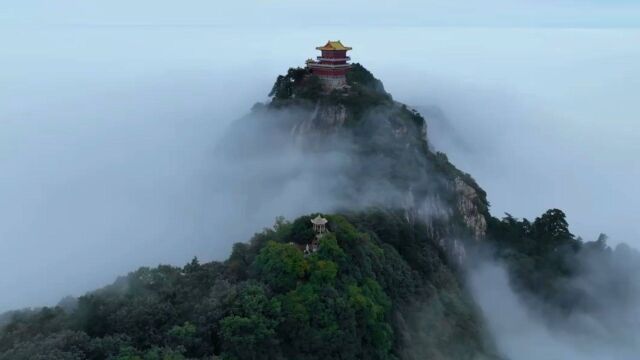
<point x="249" y="332"/>
<point x="281" y="266"/>
<point x="551" y="229"/>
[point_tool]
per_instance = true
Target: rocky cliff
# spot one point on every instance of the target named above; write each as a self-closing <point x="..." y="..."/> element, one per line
<point x="386" y="142"/>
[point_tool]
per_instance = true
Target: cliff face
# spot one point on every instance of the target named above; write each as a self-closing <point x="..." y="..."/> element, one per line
<point x="387" y="144"/>
<point x="324" y="119"/>
<point x="392" y="166"/>
<point x="471" y="208"/>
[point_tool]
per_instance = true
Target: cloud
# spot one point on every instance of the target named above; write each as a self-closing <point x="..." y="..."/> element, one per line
<point x="107" y="135"/>
<point x="527" y="329"/>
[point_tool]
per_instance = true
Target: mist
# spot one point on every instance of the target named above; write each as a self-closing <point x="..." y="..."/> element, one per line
<point x="109" y="136"/>
<point x="105" y="150"/>
<point x="525" y="328"/>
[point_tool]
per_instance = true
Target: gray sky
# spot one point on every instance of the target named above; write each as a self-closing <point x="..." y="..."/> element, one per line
<point x="107" y="132"/>
<point x="526" y="13"/>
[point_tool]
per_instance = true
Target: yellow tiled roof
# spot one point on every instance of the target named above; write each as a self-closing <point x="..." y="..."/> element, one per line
<point x="333" y="45"/>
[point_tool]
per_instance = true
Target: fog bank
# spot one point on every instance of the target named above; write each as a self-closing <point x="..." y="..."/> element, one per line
<point x="108" y="135"/>
<point x="523" y="331"/>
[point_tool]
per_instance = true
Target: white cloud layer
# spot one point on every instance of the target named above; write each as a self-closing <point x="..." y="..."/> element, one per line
<point x="107" y="134"/>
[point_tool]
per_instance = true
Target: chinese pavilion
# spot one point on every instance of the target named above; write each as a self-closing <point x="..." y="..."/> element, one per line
<point x="331" y="67"/>
<point x="319" y="224"/>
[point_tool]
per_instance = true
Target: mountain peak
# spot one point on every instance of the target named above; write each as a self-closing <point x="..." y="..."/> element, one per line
<point x="386" y="142"/>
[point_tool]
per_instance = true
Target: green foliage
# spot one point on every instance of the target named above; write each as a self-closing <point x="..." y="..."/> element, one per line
<point x="372" y="304"/>
<point x="183" y="332"/>
<point x="326" y="313"/>
<point x="551" y="230"/>
<point x="281" y="266"/>
<point x="155" y="353"/>
<point x="341" y="302"/>
<point x="310" y="88"/>
<point x="359" y="76"/>
<point x="249" y="331"/>
<point x="330" y="250"/>
<point x="322" y="271"/>
<point x="301" y="231"/>
<point x="365" y="93"/>
<point x="298" y="83"/>
<point x="541" y="254"/>
<point x="570" y="277"/>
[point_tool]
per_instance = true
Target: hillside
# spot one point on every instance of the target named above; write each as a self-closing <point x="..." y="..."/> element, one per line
<point x="371" y="292"/>
<point x="388" y="281"/>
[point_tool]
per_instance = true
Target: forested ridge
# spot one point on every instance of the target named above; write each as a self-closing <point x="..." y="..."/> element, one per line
<point x="376" y="282"/>
<point x="351" y="299"/>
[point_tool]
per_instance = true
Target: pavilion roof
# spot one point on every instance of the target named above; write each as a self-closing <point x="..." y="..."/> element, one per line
<point x="333" y="45"/>
<point x="319" y="220"/>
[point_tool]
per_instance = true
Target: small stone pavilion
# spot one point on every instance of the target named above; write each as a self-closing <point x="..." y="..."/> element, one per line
<point x="320" y="227"/>
<point x="332" y="65"/>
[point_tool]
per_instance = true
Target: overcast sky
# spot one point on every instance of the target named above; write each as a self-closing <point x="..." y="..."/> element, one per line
<point x="527" y="13"/>
<point x="109" y="112"/>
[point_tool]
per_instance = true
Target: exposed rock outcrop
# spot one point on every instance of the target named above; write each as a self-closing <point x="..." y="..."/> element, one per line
<point x="324" y="119"/>
<point x="467" y="199"/>
<point x="389" y="161"/>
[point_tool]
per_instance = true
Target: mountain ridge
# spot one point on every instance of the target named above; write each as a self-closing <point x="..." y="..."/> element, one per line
<point x="388" y="280"/>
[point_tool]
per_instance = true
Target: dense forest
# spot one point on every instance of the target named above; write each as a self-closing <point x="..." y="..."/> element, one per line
<point x="353" y="298"/>
<point x="567" y="275"/>
<point x="363" y="294"/>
